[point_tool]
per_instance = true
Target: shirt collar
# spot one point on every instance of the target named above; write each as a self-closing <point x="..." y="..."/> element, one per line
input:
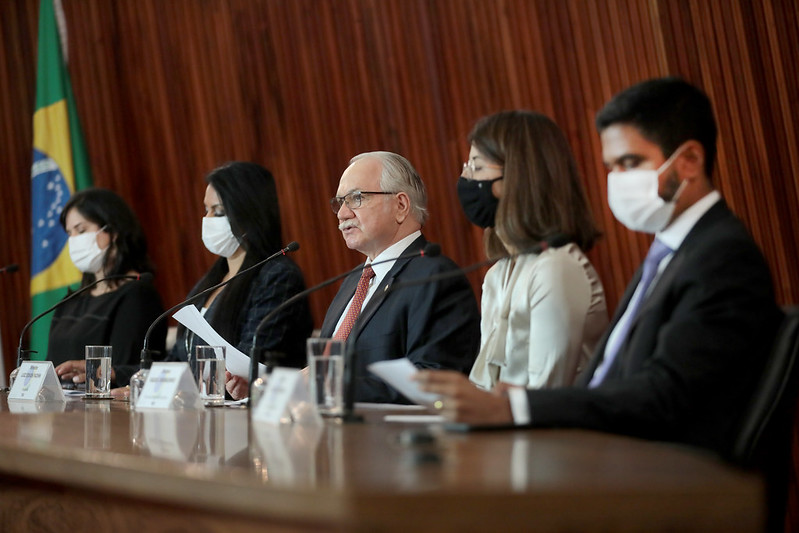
<point x="396" y="249"/>
<point x="676" y="232"/>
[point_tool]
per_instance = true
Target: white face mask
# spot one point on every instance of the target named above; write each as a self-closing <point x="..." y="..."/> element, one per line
<point x="633" y="198"/>
<point x="85" y="253"/>
<point x="218" y="237"/>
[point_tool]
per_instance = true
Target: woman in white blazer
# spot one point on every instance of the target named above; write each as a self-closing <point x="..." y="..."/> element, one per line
<point x="542" y="312"/>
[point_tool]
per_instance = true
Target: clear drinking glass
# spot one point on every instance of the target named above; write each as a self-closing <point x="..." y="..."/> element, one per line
<point x="326" y="371"/>
<point x="211" y="374"/>
<point x="98" y="372"/>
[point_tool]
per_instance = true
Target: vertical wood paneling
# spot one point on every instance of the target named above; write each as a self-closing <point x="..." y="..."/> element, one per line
<point x="169" y="90"/>
<point x="18" y="27"/>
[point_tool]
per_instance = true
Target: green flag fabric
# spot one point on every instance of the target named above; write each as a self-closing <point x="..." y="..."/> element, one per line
<point x="60" y="167"/>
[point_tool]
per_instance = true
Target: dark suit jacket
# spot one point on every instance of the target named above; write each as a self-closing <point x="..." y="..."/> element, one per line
<point x="434" y="325"/>
<point x="694" y="352"/>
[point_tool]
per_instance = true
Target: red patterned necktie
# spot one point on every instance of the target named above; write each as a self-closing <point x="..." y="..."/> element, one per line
<point x="357" y="302"/>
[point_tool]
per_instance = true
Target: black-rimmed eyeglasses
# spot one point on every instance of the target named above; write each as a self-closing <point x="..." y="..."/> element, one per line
<point x="353" y="199"/>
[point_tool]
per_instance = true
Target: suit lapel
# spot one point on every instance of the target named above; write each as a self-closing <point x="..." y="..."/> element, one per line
<point x="691" y="241"/>
<point x="373" y="304"/>
<point x="659" y="290"/>
<point x="382" y="291"/>
<point x="599" y="352"/>
<point x="339" y="303"/>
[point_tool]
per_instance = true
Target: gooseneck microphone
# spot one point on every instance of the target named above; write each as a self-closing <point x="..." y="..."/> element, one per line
<point x="430" y="250"/>
<point x="8" y="269"/>
<point x="145" y="276"/>
<point x="146" y="357"/>
<point x="554" y="241"/>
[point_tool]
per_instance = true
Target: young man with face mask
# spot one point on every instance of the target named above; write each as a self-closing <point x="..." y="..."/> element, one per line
<point x="691" y="333"/>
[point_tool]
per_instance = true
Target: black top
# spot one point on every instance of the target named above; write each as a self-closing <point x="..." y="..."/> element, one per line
<point x="119" y="318"/>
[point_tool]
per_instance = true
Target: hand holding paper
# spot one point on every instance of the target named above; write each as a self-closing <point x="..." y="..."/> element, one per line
<point x="236" y="362"/>
<point x="398" y="374"/>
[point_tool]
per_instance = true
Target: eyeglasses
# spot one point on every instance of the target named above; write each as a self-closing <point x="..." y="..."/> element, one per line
<point x="353" y="199"/>
<point x="469" y="169"/>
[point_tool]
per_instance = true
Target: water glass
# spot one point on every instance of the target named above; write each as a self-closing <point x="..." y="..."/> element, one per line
<point x="211" y="374"/>
<point x="326" y="371"/>
<point x="98" y="372"/>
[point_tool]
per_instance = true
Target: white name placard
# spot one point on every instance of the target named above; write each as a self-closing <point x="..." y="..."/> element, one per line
<point x="169" y="386"/>
<point x="37" y="381"/>
<point x="286" y="399"/>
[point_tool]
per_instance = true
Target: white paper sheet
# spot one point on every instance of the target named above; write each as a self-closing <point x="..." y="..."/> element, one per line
<point x="398" y="374"/>
<point x="236" y="362"/>
<point x="365" y="406"/>
<point x="414" y="419"/>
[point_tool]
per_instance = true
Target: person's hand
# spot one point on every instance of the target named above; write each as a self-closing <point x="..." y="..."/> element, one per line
<point x="121" y="393"/>
<point x="74" y="371"/>
<point x="462" y="401"/>
<point x="236" y="386"/>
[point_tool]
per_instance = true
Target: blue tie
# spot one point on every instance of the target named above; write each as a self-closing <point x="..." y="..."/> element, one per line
<point x="657" y="252"/>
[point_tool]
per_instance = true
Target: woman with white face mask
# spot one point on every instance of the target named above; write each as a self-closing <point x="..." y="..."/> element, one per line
<point x="241" y="225"/>
<point x="105" y="240"/>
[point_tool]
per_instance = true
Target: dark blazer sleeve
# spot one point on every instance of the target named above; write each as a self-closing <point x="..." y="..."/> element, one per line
<point x="693" y="354"/>
<point x="286" y="333"/>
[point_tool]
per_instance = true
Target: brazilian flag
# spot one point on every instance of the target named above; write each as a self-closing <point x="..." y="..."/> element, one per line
<point x="60" y="167"/>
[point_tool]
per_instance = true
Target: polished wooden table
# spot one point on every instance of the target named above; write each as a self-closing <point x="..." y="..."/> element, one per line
<point x="97" y="466"/>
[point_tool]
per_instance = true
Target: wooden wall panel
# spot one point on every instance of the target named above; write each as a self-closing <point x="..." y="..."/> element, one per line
<point x="18" y="27"/>
<point x="169" y="90"/>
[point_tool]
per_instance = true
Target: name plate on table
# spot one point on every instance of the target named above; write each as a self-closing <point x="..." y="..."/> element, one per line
<point x="170" y="386"/>
<point x="286" y="399"/>
<point x="37" y="381"/>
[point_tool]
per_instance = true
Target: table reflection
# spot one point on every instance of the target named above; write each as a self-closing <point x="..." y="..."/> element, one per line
<point x="29" y="406"/>
<point x="286" y="454"/>
<point x="97" y="425"/>
<point x="196" y="436"/>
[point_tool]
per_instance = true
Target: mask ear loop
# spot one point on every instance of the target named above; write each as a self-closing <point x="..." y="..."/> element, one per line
<point x="670" y="161"/>
<point x="678" y="192"/>
<point x="101" y="230"/>
<point x="112" y="242"/>
<point x="666" y="164"/>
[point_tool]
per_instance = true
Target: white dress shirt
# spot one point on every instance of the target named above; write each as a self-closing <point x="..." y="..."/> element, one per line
<point x="395" y="250"/>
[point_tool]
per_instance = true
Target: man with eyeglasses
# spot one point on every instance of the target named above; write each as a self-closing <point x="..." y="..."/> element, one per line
<point x="381" y="206"/>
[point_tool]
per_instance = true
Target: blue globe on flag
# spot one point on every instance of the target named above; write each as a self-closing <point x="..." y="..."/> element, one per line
<point x="50" y="187"/>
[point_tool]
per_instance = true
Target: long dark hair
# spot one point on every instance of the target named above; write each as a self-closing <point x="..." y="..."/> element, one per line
<point x="128" y="249"/>
<point x="249" y="196"/>
<point x="543" y="195"/>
